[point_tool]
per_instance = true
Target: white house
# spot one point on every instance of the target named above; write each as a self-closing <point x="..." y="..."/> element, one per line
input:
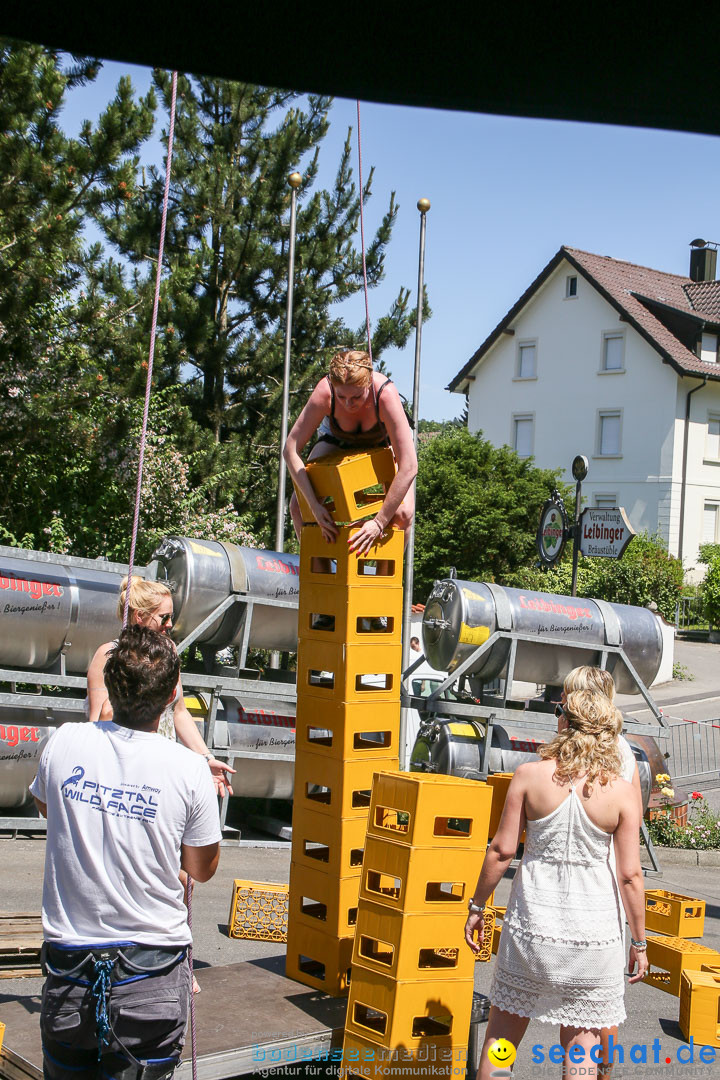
<point x="620" y="363"/>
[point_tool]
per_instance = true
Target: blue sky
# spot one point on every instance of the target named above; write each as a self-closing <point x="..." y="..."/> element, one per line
<point x="506" y="193"/>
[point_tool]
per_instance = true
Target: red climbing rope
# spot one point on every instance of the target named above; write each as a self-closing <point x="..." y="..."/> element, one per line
<point x="151" y="354"/>
<point x="362" y="234"/>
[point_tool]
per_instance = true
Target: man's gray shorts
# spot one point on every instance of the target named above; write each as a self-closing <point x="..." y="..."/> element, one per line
<point x="148" y="1018"/>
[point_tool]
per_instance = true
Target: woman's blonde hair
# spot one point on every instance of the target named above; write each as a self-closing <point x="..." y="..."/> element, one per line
<point x="590" y="678"/>
<point x="589" y="744"/>
<point x="145" y="596"/>
<point x="351" y="366"/>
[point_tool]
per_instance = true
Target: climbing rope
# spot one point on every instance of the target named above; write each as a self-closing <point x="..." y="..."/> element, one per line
<point x="151" y="353"/>
<point x="100" y="991"/>
<point x="193" y="1043"/>
<point x="362" y="235"/>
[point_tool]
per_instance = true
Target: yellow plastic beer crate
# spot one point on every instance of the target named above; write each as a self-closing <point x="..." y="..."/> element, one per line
<point x="391" y="1012"/>
<point x="363" y="1059"/>
<point x="318" y="959"/>
<point x="340" y="789"/>
<point x="671" y="956"/>
<point x="355" y="614"/>
<point x="332" y="845"/>
<point x="334" y="563"/>
<point x="418" y="879"/>
<point x="341" y="480"/>
<point x="408" y="947"/>
<point x="344" y="731"/>
<point x="430" y="810"/>
<point x="258" y="910"/>
<point x="323" y="902"/>
<point x="353" y="673"/>
<point x="674" y="914"/>
<point x="700" y="1006"/>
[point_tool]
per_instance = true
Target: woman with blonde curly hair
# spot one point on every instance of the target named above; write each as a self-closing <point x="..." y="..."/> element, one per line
<point x="354" y="408"/>
<point x="561" y="954"/>
<point x="151" y="605"/>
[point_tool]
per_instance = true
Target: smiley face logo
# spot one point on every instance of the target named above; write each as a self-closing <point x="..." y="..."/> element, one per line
<point x="502" y="1053"/>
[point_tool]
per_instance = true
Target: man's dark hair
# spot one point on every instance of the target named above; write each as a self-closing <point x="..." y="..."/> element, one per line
<point x="141" y="673"/>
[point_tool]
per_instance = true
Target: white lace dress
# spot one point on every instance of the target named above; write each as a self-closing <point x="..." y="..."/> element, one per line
<point x="561" y="956"/>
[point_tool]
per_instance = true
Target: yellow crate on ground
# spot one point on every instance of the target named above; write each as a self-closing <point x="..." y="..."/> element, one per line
<point x="408" y="947"/>
<point x="430" y="810"/>
<point x="341" y="480"/>
<point x="332" y="845"/>
<point x="336" y="788"/>
<point x="498" y="915"/>
<point x="334" y="563"/>
<point x="671" y="956"/>
<point x="363" y="1059"/>
<point x="699" y="1017"/>
<point x="318" y="959"/>
<point x="344" y="731"/>
<point x="353" y="673"/>
<point x="354" y="614"/>
<point x="2" y="1034"/>
<point x="258" y="910"/>
<point x="674" y="914"/>
<point x="421" y="880"/>
<point x="394" y="1012"/>
<point x="323" y="901"/>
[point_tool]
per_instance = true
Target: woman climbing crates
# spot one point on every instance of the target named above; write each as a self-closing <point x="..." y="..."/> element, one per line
<point x="354" y="408"/>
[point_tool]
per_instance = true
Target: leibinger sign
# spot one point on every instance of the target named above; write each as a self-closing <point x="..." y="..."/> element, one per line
<point x="552" y="530"/>
<point x="604" y="533"/>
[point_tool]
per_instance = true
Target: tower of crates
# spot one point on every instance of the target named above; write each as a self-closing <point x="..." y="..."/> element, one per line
<point x="411" y="993"/>
<point x="348" y="713"/>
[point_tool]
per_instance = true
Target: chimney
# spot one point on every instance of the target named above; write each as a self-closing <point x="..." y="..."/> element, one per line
<point x="703" y="260"/>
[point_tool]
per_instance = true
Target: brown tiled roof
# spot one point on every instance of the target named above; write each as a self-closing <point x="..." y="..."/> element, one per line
<point x="630" y="289"/>
<point x="704" y="297"/>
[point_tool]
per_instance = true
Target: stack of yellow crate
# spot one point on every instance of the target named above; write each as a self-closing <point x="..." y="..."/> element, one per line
<point x="348" y="718"/>
<point x="412" y="973"/>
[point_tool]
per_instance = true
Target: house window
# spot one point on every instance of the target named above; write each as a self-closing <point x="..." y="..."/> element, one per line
<point x="609" y="441"/>
<point x="570" y="287"/>
<point x="709" y="348"/>
<point x="527" y="360"/>
<point x="523" y="435"/>
<point x="613" y="355"/>
<point x="712" y="439"/>
<point x="605" y="502"/>
<point x="711" y="519"/>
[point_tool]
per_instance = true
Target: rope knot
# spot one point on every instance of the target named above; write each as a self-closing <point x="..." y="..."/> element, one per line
<point x="100" y="990"/>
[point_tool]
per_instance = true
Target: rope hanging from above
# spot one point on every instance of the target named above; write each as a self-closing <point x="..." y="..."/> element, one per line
<point x="362" y="236"/>
<point x="151" y="353"/>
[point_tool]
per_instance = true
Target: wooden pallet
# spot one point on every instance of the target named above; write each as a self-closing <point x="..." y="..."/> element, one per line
<point x="21" y="939"/>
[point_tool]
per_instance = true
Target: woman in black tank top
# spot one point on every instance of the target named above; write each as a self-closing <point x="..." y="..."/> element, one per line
<point x="354" y="407"/>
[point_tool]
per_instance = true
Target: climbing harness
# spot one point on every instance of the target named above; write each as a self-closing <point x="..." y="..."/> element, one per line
<point x="102" y="968"/>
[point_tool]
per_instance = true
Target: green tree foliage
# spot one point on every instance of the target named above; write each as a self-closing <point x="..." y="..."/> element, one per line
<point x="645" y="574"/>
<point x="478" y="507"/>
<point x="222" y="318"/>
<point x="710" y="589"/>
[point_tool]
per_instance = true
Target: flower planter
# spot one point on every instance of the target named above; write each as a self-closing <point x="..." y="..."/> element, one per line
<point x="677" y="812"/>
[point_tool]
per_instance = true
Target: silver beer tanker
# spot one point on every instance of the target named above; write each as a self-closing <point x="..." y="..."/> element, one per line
<point x="457" y="612"/>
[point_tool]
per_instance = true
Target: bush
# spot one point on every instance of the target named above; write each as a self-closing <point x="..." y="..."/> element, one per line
<point x="646" y="573"/>
<point x="701" y="832"/>
<point x="710" y="556"/>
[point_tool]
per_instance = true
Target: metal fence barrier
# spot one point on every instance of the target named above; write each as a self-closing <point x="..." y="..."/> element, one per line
<point x="694" y="750"/>
<point x="690" y="614"/>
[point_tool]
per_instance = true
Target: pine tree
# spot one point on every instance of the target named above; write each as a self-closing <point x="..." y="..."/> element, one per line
<point x="49" y="377"/>
<point x="222" y="318"/>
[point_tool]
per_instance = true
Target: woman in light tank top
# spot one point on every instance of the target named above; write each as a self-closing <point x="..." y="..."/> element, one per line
<point x="354" y="408"/>
<point x="151" y="605"/>
<point x="561" y="956"/>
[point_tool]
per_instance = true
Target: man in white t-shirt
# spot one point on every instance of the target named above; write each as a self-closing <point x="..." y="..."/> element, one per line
<point x="126" y="810"/>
